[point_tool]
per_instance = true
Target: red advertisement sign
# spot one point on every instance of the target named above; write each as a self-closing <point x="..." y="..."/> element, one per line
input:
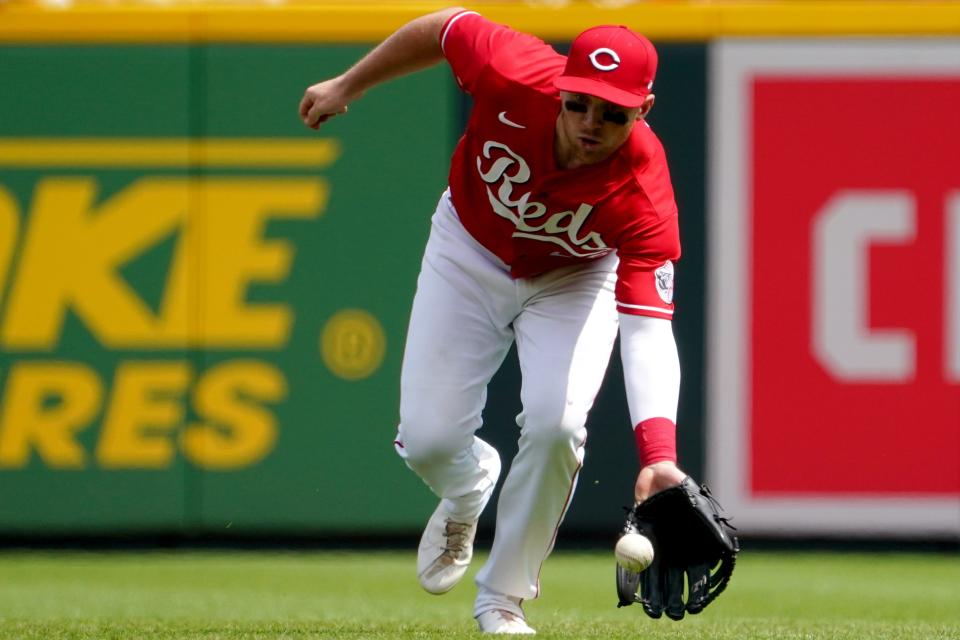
<point x="835" y="336"/>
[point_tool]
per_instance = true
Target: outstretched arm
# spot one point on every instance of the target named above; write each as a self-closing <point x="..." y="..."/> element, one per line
<point x="410" y="48"/>
<point x="694" y="548"/>
<point x="652" y="375"/>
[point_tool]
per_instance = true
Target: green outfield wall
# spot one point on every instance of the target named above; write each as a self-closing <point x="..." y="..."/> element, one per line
<point x="203" y="304"/>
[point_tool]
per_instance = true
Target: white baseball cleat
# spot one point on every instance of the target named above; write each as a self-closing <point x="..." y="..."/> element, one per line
<point x="500" y="621"/>
<point x="445" y="551"/>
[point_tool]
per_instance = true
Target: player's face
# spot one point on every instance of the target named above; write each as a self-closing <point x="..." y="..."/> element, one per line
<point x="590" y="129"/>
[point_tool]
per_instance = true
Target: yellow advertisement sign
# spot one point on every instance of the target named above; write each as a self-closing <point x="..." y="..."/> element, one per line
<point x="64" y="255"/>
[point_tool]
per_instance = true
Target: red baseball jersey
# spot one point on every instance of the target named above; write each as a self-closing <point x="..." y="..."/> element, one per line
<point x="513" y="198"/>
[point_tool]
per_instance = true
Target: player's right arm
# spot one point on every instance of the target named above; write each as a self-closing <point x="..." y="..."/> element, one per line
<point x="414" y="46"/>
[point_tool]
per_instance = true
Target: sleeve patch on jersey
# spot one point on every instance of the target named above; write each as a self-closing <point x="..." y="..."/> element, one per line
<point x="664" y="279"/>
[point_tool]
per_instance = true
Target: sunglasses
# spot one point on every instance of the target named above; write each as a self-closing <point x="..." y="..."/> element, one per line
<point x="613" y="117"/>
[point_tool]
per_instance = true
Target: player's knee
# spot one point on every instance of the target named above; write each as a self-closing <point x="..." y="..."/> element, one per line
<point x="426" y="437"/>
<point x="551" y="427"/>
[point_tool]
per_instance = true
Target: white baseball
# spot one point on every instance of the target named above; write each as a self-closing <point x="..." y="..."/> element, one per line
<point x="634" y="552"/>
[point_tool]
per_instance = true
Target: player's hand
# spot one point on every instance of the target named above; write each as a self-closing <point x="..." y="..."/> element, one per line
<point x="694" y="550"/>
<point x="324" y="100"/>
<point x="656" y="477"/>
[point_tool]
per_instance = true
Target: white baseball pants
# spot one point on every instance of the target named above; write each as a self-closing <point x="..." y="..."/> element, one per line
<point x="466" y="313"/>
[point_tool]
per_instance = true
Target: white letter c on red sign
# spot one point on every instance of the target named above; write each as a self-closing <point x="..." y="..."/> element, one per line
<point x="843" y="341"/>
<point x="952" y="279"/>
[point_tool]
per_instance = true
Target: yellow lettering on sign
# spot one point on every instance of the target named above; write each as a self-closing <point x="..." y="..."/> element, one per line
<point x="45" y="405"/>
<point x="71" y="253"/>
<point x="146" y="407"/>
<point x="73" y="250"/>
<point x="223" y="251"/>
<point x="9" y="227"/>
<point x="236" y="432"/>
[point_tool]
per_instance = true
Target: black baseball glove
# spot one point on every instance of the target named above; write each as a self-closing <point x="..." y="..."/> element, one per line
<point x="693" y="546"/>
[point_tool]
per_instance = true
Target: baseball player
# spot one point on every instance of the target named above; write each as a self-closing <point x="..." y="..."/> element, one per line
<point x="559" y="226"/>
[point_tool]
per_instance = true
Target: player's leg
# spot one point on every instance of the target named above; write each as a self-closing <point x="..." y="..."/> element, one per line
<point x="564" y="338"/>
<point x="458" y="336"/>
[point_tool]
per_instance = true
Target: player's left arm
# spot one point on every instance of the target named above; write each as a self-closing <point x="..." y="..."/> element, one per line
<point x="648" y="349"/>
<point x="651" y="368"/>
<point x="694" y="548"/>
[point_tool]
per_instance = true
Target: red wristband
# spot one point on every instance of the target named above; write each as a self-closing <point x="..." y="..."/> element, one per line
<point x="656" y="441"/>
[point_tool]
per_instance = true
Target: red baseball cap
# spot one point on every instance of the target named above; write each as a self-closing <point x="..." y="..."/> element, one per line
<point x="612" y="63"/>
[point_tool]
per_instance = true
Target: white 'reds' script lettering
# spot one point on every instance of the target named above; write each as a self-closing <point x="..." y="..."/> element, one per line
<point x="528" y="217"/>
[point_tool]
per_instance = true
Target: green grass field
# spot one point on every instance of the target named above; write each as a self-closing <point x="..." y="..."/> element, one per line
<point x="233" y="595"/>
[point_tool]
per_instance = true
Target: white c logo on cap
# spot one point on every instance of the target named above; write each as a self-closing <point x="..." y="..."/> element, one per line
<point x="605" y="67"/>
